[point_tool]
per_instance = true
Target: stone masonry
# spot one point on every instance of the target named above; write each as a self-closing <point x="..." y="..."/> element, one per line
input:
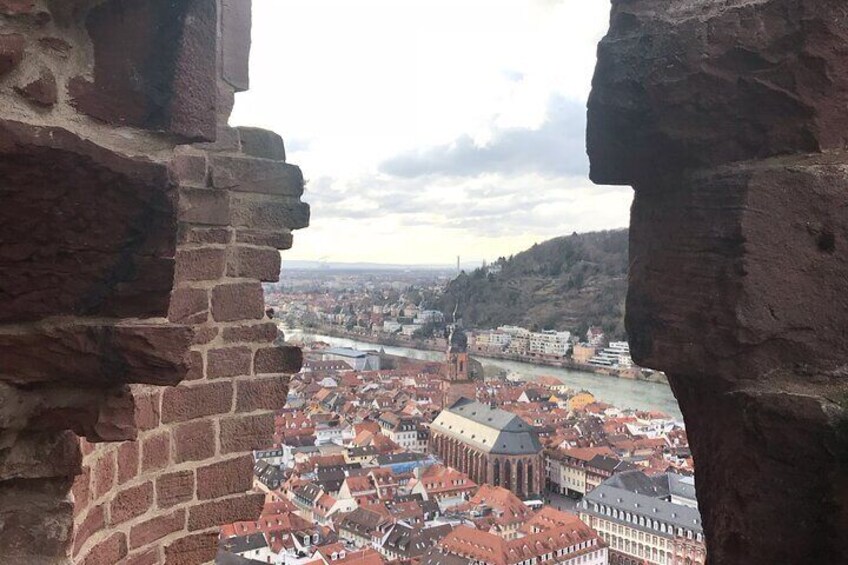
<point x="730" y="120"/>
<point x="138" y="367"/>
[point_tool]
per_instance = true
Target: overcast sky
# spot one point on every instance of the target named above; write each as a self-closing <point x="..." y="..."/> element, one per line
<point x="431" y="128"/>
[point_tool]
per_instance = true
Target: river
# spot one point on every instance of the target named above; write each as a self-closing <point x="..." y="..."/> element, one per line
<point x="623" y="393"/>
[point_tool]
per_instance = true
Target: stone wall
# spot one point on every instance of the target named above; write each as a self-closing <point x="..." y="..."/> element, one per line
<point x="729" y="121"/>
<point x="137" y="364"/>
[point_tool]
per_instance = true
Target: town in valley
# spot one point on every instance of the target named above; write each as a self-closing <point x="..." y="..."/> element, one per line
<point x="381" y="458"/>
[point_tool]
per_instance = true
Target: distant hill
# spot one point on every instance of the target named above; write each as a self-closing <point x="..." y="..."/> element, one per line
<point x="566" y="283"/>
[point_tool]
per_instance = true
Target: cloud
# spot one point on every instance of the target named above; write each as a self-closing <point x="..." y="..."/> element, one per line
<point x="555" y="149"/>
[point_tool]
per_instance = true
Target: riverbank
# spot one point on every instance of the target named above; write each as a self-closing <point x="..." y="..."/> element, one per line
<point x="623" y="393"/>
<point x="440" y="346"/>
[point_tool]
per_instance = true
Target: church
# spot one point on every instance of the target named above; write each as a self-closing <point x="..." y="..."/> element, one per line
<point x="489" y="445"/>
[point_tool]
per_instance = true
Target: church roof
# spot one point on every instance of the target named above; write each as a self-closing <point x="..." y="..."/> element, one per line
<point x="490" y="430"/>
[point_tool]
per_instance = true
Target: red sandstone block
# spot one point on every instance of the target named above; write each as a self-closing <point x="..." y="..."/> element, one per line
<point x="104" y="474"/>
<point x="156" y="528"/>
<point x="262" y="143"/>
<point x="189" y="306"/>
<point x="144" y="557"/>
<point x="284" y="359"/>
<point x="263" y="332"/>
<point x="42" y="91"/>
<point x="190" y="235"/>
<point x="17" y="7"/>
<point x="155" y="452"/>
<point x="205" y="334"/>
<point x="188" y="168"/>
<point x="228" y="362"/>
<point x="205" y="206"/>
<point x="262" y="393"/>
<point x="82" y="488"/>
<point x="130" y="503"/>
<point x="246" y="433"/>
<point x="261" y="176"/>
<point x="194" y="441"/>
<point x="127" y="461"/>
<point x="199" y="264"/>
<point x="184" y="402"/>
<point x="195" y="366"/>
<point x="93" y="522"/>
<point x="268" y="213"/>
<point x="227" y="141"/>
<point x="238" y="301"/>
<point x="278" y="239"/>
<point x="11" y="51"/>
<point x="224" y="478"/>
<point x="108" y="552"/>
<point x="147" y="410"/>
<point x="262" y="263"/>
<point x="193" y="549"/>
<point x="86" y="447"/>
<point x="215" y="513"/>
<point x="174" y="488"/>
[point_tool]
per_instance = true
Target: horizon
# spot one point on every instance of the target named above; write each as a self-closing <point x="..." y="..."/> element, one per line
<point x="465" y="264"/>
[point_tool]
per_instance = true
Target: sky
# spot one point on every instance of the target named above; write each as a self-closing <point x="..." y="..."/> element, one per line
<point x="428" y="129"/>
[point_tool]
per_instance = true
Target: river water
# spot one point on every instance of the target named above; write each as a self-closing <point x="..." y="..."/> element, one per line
<point x="623" y="393"/>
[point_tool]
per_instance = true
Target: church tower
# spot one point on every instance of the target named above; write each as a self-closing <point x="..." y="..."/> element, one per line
<point x="457" y="355"/>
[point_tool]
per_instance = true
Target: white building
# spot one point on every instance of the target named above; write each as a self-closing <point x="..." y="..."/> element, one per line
<point x="616" y="355"/>
<point x="391" y="326"/>
<point x="549" y="342"/>
<point x="358" y="360"/>
<point x="409" y="329"/>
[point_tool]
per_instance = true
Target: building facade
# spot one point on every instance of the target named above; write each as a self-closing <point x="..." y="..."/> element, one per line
<point x="644" y="529"/>
<point x="490" y="446"/>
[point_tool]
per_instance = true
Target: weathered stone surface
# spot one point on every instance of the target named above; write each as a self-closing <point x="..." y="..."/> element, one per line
<point x="261" y="212"/>
<point x="36" y="519"/>
<point x="238" y="301"/>
<point x="96" y="413"/>
<point x="694" y="83"/>
<point x="197" y="548"/>
<point x="264" y="332"/>
<point x="16" y="7"/>
<point x="728" y="119"/>
<point x="11" y="51"/>
<point x="42" y="91"/>
<point x="38" y="455"/>
<point x="112" y="232"/>
<point x="56" y="45"/>
<point x="246" y="174"/>
<point x="280" y="239"/>
<point x="193" y="108"/>
<point x="731" y="262"/>
<point x="263" y="143"/>
<point x="99" y="238"/>
<point x="154" y="66"/>
<point x="254" y="263"/>
<point x="136" y="353"/>
<point x="207" y="207"/>
<point x="286" y="359"/>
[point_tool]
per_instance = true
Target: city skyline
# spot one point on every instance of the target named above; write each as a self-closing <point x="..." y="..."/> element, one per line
<point x="466" y="137"/>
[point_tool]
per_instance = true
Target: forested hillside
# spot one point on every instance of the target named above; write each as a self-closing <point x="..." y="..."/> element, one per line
<point x="566" y="283"/>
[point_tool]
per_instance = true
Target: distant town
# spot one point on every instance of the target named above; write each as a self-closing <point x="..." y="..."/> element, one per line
<point x="380" y="458"/>
<point x="396" y="308"/>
